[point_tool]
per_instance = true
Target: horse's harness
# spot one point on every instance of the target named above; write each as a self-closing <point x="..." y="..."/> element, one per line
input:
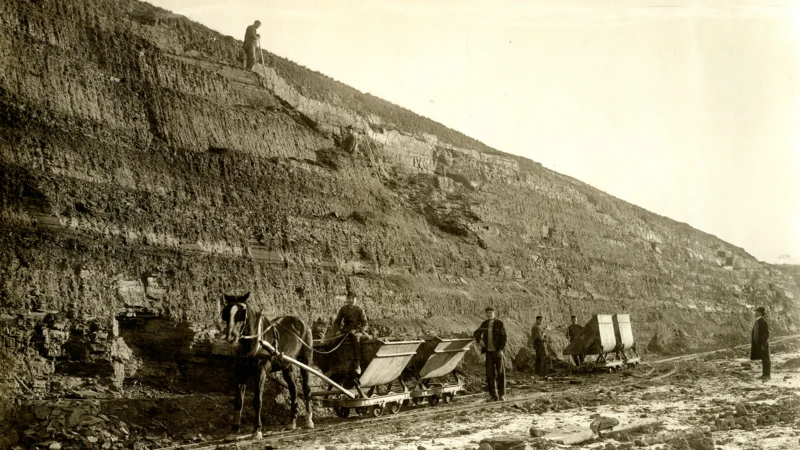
<point x="273" y="326"/>
<point x="260" y="334"/>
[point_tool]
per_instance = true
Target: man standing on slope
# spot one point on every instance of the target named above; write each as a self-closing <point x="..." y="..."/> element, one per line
<point x="759" y="343"/>
<point x="491" y="336"/>
<point x="251" y="38"/>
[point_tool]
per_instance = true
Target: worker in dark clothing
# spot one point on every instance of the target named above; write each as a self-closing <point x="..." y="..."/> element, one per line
<point x="573" y="330"/>
<point x="759" y="343"/>
<point x="538" y="335"/>
<point x="491" y="337"/>
<point x="352" y="320"/>
<point x="251" y="38"/>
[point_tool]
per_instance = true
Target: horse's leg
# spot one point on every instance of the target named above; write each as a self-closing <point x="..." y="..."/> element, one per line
<point x="307" y="398"/>
<point x="261" y="378"/>
<point x="287" y="375"/>
<point x="238" y="399"/>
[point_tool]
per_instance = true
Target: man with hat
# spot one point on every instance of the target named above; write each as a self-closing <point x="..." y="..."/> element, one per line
<point x="251" y="38"/>
<point x="491" y="337"/>
<point x="352" y="320"/>
<point x="759" y="343"/>
<point x="573" y="330"/>
<point x="539" y="336"/>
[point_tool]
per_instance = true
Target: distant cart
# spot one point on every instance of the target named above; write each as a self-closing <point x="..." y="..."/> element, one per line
<point x="609" y="338"/>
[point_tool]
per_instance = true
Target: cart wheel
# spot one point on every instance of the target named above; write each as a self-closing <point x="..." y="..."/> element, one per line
<point x="376" y="410"/>
<point x="394" y="407"/>
<point x="447" y="398"/>
<point x="433" y="401"/>
<point x="416" y="401"/>
<point x="342" y="411"/>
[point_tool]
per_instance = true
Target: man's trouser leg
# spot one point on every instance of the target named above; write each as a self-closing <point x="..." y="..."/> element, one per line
<point x="250" y="54"/>
<point x="490" y="374"/>
<point x="356" y="340"/>
<point x="500" y="371"/>
<point x="766" y="363"/>
<point x="538" y="346"/>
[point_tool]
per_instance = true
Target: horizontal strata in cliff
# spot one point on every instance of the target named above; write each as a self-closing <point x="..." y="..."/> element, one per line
<point x="144" y="173"/>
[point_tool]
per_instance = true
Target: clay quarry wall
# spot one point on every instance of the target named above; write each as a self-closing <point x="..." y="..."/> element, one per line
<point x="144" y="173"/>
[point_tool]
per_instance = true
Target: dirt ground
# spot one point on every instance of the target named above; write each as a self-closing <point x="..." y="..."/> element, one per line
<point x="713" y="402"/>
<point x="708" y="401"/>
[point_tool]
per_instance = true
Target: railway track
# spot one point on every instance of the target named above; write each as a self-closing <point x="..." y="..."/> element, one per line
<point x="347" y="425"/>
<point x="463" y="404"/>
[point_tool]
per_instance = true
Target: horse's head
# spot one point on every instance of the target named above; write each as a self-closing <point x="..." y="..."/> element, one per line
<point x="234" y="314"/>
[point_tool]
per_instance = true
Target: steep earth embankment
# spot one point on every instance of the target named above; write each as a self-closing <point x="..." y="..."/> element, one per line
<point x="144" y="173"/>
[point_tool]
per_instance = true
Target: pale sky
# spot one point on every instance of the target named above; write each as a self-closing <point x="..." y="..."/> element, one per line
<point x="688" y="109"/>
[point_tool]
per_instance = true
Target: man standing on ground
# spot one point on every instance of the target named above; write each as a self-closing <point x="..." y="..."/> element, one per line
<point x="251" y="38"/>
<point x="538" y="336"/>
<point x="759" y="343"/>
<point x="491" y="336"/>
<point x="573" y="330"/>
<point x="352" y="320"/>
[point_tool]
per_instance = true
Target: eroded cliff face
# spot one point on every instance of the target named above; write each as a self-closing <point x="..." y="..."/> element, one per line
<point x="144" y="173"/>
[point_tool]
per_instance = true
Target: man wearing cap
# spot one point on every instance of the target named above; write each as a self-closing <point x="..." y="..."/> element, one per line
<point x="573" y="330"/>
<point x="491" y="337"/>
<point x="538" y="336"/>
<point x="352" y="320"/>
<point x="251" y="38"/>
<point x="759" y="343"/>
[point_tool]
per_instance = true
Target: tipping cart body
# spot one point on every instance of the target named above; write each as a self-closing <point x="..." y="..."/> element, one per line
<point x="383" y="363"/>
<point x="597" y="337"/>
<point x="388" y="362"/>
<point x="444" y="357"/>
<point x="607" y="336"/>
<point x="624" y="335"/>
<point x="436" y="359"/>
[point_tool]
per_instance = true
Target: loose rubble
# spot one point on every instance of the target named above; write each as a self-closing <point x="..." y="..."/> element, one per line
<point x="706" y="403"/>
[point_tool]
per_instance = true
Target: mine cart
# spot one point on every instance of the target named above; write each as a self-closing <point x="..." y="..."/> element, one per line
<point x="379" y="386"/>
<point x="435" y="361"/>
<point x="606" y="336"/>
<point x="626" y="347"/>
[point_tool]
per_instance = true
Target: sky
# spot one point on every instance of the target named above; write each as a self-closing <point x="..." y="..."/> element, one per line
<point x="688" y="109"/>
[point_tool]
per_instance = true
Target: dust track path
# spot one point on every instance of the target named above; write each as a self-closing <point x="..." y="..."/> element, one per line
<point x="464" y="404"/>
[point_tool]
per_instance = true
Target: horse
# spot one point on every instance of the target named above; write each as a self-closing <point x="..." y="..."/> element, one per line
<point x="288" y="334"/>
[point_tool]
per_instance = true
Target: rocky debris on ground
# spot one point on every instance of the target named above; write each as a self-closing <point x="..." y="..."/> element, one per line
<point x="791" y="364"/>
<point x="692" y="441"/>
<point x="503" y="443"/>
<point x="525" y="360"/>
<point x="601" y="423"/>
<point x="748" y="417"/>
<point x="85" y="427"/>
<point x="537" y="432"/>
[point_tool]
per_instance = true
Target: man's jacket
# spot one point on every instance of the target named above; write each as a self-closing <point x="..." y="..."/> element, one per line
<point x="351" y="318"/>
<point x="759" y="339"/>
<point x="498" y="335"/>
<point x="573" y="331"/>
<point x="250" y="36"/>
